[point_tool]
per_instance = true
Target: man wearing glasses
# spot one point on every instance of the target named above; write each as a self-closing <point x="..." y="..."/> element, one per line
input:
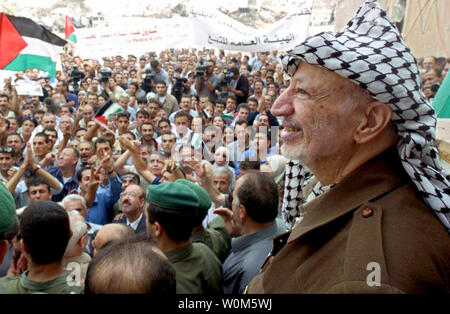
<point x="133" y="201"/>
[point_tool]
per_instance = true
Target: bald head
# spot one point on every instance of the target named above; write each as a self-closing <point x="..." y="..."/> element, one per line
<point x="111" y="233"/>
<point x="134" y="266"/>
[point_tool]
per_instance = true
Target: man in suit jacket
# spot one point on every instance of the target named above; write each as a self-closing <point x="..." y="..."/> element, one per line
<point x="133" y="201"/>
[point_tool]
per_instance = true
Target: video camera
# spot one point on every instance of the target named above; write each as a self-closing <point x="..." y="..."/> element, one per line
<point x="75" y="77"/>
<point x="200" y="70"/>
<point x="226" y="78"/>
<point x="178" y="87"/>
<point x="105" y="74"/>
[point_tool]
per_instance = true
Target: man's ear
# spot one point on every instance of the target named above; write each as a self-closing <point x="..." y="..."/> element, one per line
<point x="375" y="118"/>
<point x="242" y="212"/>
<point x="158" y="229"/>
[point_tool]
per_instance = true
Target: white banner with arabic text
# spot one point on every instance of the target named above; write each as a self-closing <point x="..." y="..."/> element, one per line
<point x="212" y="28"/>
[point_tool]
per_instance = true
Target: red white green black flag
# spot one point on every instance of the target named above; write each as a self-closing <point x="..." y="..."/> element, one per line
<point x="25" y="44"/>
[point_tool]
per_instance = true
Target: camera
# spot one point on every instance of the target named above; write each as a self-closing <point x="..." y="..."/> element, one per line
<point x="147" y="80"/>
<point x="226" y="78"/>
<point x="178" y="87"/>
<point x="75" y="77"/>
<point x="105" y="74"/>
<point x="200" y="70"/>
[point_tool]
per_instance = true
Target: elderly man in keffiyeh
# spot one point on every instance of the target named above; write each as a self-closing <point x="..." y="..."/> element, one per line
<point x="374" y="199"/>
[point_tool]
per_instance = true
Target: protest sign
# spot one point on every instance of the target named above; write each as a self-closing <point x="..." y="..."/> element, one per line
<point x="28" y="88"/>
<point x="154" y="35"/>
<point x="212" y="28"/>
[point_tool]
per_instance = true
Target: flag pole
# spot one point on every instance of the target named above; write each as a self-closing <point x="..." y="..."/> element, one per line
<point x="108" y="129"/>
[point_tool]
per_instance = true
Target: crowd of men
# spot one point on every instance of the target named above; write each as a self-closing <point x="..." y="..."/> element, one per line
<point x="182" y="191"/>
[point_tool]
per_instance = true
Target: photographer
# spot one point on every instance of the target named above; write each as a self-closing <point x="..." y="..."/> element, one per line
<point x="75" y="77"/>
<point x="62" y="88"/>
<point x="159" y="74"/>
<point x="239" y="86"/>
<point x="205" y="81"/>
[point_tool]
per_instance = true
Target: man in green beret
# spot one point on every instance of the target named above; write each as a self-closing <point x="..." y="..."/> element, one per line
<point x="171" y="217"/>
<point x="7" y="217"/>
<point x="216" y="237"/>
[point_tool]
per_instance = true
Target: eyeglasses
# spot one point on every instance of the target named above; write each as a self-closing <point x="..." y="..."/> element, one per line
<point x="124" y="194"/>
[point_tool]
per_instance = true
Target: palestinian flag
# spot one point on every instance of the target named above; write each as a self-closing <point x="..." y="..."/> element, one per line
<point x="227" y="117"/>
<point x="107" y="111"/>
<point x="25" y="44"/>
<point x="69" y="30"/>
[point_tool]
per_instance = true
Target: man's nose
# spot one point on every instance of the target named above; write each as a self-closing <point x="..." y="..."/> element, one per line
<point x="283" y="105"/>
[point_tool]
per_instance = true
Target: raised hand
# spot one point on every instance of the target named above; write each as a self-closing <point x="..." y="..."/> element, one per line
<point x="106" y="163"/>
<point x="230" y="223"/>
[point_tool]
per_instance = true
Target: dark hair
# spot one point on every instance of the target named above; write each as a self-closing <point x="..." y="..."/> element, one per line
<point x="45" y="229"/>
<point x="154" y="63"/>
<point x="181" y="114"/>
<point x="243" y="105"/>
<point x="50" y="130"/>
<point x="232" y="97"/>
<point x="241" y="121"/>
<point x="143" y="112"/>
<point x="141" y="100"/>
<point x="249" y="165"/>
<point x="66" y="106"/>
<point x="124" y="114"/>
<point x="131" y="133"/>
<point x="178" y="224"/>
<point x="163" y="120"/>
<point x="135" y="85"/>
<point x="102" y="140"/>
<point x="14" y="134"/>
<point x="130" y="266"/>
<point x="79" y="129"/>
<point x="4" y="96"/>
<point x="35" y="181"/>
<point x="147" y="123"/>
<point x="45" y="136"/>
<point x="252" y="99"/>
<point x="80" y="172"/>
<point x="259" y="195"/>
<point x="29" y="118"/>
<point x="160" y="82"/>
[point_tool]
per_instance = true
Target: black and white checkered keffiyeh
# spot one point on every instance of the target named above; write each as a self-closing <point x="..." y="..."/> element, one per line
<point x="371" y="52"/>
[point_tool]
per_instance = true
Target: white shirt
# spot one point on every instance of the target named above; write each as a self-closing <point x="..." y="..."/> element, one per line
<point x="135" y="224"/>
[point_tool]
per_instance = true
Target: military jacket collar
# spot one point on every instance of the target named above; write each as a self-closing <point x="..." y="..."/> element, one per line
<point x="370" y="181"/>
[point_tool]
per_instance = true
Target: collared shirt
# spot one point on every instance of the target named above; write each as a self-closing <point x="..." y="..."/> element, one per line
<point x="248" y="253"/>
<point x="101" y="211"/>
<point x="71" y="184"/>
<point x="23" y="285"/>
<point x="135" y="223"/>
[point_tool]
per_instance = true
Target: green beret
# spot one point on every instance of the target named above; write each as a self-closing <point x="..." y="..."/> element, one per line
<point x="7" y="208"/>
<point x="204" y="201"/>
<point x="172" y="195"/>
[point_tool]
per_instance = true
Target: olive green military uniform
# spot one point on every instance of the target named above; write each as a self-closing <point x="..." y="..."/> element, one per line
<point x="371" y="233"/>
<point x="216" y="237"/>
<point x="197" y="269"/>
<point x="23" y="285"/>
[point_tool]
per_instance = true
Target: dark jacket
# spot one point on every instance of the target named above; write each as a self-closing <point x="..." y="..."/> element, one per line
<point x="141" y="228"/>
